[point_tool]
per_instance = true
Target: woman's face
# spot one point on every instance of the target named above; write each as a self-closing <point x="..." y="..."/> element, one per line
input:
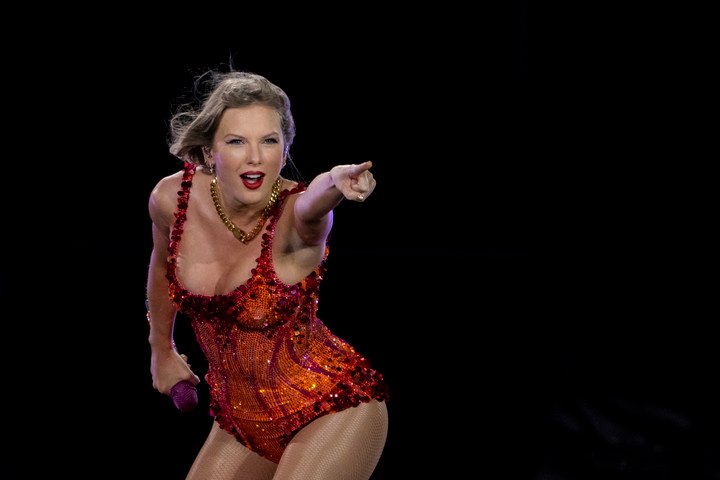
<point x="247" y="152"/>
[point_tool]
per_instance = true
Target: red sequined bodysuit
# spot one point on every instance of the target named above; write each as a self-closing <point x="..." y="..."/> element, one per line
<point x="273" y="366"/>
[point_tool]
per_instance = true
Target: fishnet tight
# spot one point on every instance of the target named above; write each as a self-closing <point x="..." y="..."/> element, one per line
<point x="339" y="446"/>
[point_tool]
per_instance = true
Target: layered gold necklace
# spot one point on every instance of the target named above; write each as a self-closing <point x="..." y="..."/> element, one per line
<point x="239" y="234"/>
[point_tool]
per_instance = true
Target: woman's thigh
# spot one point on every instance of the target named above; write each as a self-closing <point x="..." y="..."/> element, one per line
<point x="222" y="457"/>
<point x="344" y="445"/>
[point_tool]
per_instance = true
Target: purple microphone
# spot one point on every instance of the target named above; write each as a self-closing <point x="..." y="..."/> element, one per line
<point x="184" y="396"/>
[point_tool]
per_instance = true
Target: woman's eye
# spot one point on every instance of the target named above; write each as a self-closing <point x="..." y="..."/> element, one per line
<point x="271" y="140"/>
<point x="235" y="141"/>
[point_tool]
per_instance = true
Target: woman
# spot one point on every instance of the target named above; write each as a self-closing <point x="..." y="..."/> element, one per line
<point x="241" y="251"/>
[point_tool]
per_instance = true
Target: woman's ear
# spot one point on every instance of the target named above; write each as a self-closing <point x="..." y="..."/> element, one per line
<point x="208" y="158"/>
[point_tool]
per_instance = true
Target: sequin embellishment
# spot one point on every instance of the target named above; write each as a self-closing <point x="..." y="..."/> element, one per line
<point x="273" y="366"/>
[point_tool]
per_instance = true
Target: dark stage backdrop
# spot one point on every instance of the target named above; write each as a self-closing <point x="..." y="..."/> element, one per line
<point x="520" y="330"/>
<point x="432" y="278"/>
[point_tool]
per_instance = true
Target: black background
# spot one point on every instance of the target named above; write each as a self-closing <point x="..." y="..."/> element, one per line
<point x="495" y="296"/>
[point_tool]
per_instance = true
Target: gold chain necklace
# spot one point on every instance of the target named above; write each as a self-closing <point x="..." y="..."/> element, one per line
<point x="239" y="234"/>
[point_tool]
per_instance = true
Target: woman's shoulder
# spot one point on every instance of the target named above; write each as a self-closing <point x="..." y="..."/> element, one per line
<point x="169" y="182"/>
<point x="290" y="191"/>
<point x="168" y="186"/>
<point x="293" y="187"/>
<point x="163" y="197"/>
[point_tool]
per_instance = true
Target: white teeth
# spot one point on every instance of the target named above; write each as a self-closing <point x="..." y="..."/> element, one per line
<point x="252" y="177"/>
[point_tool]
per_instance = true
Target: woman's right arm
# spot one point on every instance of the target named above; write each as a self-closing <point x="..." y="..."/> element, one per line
<point x="167" y="366"/>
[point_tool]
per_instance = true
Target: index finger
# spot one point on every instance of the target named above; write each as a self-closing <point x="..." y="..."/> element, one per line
<point x="360" y="168"/>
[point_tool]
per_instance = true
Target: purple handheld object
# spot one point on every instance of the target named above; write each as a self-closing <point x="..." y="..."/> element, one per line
<point x="184" y="396"/>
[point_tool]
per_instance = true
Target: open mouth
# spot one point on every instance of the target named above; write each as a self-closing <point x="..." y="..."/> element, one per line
<point x="253" y="180"/>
